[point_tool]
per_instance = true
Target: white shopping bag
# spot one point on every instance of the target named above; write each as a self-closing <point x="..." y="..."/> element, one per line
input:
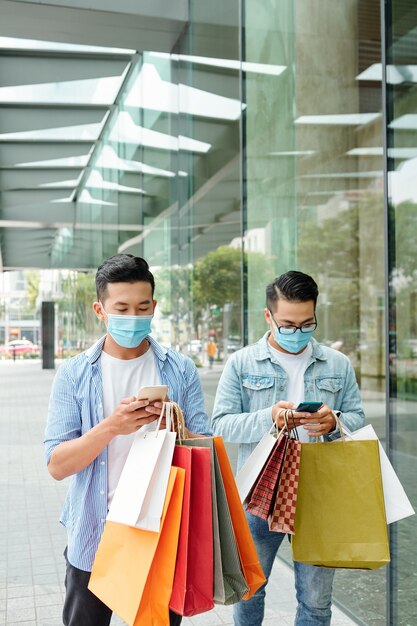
<point x="397" y="504"/>
<point x="140" y="493"/>
<point x="249" y="472"/>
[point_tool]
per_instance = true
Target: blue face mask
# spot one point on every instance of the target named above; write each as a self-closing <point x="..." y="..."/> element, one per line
<point x="293" y="343"/>
<point x="128" y="330"/>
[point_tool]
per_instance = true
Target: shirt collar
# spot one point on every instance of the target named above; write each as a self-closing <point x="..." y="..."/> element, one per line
<point x="262" y="351"/>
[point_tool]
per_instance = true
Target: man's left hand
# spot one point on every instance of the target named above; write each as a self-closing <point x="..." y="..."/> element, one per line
<point x="320" y="423"/>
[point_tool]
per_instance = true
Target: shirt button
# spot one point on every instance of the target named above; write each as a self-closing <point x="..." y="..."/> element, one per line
<point x="102" y="493"/>
<point x="258" y="384"/>
<point x="101" y="462"/>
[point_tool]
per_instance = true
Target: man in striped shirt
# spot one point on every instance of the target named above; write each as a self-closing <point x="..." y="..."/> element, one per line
<point x="94" y="414"/>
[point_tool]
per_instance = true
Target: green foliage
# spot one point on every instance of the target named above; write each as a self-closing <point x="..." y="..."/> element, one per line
<point x="32" y="279"/>
<point x="172" y="289"/>
<point x="217" y="278"/>
<point x="76" y="303"/>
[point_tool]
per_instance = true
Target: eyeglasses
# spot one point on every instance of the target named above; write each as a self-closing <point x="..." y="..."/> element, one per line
<point x="290" y="330"/>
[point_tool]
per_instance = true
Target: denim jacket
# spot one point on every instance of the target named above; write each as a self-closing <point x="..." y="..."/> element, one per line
<point x="253" y="381"/>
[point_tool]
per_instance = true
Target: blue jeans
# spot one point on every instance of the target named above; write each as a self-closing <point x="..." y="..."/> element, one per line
<point x="313" y="585"/>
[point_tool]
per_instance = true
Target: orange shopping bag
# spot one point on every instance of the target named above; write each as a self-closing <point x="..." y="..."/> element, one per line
<point x="127" y="559"/>
<point x="251" y="567"/>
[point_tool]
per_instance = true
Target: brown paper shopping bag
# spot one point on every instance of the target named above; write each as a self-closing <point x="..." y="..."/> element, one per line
<point x="340" y="517"/>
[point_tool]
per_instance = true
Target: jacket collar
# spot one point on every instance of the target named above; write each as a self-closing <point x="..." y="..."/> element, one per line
<point x="262" y="351"/>
<point x="94" y="352"/>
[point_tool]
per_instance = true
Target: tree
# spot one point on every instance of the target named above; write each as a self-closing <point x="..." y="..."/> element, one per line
<point x="75" y="307"/>
<point x="32" y="279"/>
<point x="217" y="281"/>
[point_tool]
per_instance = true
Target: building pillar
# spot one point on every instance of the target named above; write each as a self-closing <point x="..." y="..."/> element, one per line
<point x="48" y="335"/>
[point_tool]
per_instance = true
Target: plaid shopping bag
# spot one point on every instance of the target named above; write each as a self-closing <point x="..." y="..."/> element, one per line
<point x="262" y="498"/>
<point x="282" y="517"/>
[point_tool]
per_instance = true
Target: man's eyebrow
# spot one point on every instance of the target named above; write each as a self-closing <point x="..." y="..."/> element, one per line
<point x="292" y="323"/>
<point x="121" y="303"/>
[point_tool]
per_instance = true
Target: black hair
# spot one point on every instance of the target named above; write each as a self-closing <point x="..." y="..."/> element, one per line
<point x="122" y="268"/>
<point x="292" y="286"/>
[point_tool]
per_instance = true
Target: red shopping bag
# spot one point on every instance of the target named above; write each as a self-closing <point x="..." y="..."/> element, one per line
<point x="282" y="518"/>
<point x="262" y="499"/>
<point x="193" y="587"/>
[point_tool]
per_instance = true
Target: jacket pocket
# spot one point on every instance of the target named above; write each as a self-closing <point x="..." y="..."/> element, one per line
<point x="330" y="384"/>
<point x="257" y="383"/>
<point x="258" y="392"/>
<point x="328" y="390"/>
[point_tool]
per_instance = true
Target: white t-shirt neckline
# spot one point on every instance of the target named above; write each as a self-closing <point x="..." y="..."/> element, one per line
<point x="295" y="366"/>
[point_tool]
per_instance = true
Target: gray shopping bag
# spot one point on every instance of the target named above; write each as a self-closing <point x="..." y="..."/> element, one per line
<point x="229" y="582"/>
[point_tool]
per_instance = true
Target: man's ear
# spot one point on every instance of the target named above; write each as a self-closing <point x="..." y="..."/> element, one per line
<point x="267" y="314"/>
<point x="98" y="310"/>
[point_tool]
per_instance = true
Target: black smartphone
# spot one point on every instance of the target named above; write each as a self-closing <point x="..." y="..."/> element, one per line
<point x="309" y="407"/>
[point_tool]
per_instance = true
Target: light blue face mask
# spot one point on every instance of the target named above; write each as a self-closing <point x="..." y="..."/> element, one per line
<point x="293" y="343"/>
<point x="128" y="330"/>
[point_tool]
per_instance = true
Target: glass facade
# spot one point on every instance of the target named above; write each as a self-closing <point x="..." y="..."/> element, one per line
<point x="276" y="136"/>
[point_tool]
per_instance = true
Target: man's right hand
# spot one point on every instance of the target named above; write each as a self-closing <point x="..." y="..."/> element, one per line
<point x="278" y="412"/>
<point x="131" y="414"/>
<point x="72" y="456"/>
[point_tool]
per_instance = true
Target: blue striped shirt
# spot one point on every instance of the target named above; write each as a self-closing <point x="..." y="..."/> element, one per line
<point x="76" y="405"/>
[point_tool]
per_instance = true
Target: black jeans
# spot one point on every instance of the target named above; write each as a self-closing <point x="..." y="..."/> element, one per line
<point x="83" y="608"/>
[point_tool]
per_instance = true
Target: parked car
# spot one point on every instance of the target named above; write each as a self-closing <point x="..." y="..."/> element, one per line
<point x="19" y="346"/>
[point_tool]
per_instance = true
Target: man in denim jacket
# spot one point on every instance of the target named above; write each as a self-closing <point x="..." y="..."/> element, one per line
<point x="285" y="367"/>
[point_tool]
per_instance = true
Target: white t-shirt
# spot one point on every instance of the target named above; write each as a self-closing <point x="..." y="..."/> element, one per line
<point x="122" y="379"/>
<point x="295" y="365"/>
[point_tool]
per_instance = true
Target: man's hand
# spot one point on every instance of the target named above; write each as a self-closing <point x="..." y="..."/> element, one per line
<point x="293" y="419"/>
<point x="317" y="424"/>
<point x="130" y="414"/>
<point x="320" y="423"/>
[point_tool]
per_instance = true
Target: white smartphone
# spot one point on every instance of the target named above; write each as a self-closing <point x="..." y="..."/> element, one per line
<point x="153" y="393"/>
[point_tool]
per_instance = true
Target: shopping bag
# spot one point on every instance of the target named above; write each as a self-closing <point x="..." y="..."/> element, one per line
<point x="262" y="499"/>
<point x="229" y="581"/>
<point x="139" y="496"/>
<point x="122" y="574"/>
<point x="340" y="517"/>
<point x="249" y="473"/>
<point x="397" y="504"/>
<point x="251" y="567"/>
<point x="192" y="591"/>
<point x="154" y="604"/>
<point x="282" y="517"/>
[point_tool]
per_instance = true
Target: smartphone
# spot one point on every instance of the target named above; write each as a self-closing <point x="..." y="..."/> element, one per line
<point x="153" y="393"/>
<point x="309" y="407"/>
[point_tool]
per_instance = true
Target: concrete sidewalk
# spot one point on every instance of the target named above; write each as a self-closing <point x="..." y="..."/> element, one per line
<point x="31" y="538"/>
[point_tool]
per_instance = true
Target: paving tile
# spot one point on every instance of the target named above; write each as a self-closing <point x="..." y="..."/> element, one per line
<point x="20" y="614"/>
<point x="49" y="611"/>
<point x="49" y="599"/>
<point x="19" y="591"/>
<point x="13" y="604"/>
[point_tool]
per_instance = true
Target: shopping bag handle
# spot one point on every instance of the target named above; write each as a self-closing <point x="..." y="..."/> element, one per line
<point x="285" y="413"/>
<point x="166" y="408"/>
<point x="178" y="415"/>
<point x="339" y="425"/>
